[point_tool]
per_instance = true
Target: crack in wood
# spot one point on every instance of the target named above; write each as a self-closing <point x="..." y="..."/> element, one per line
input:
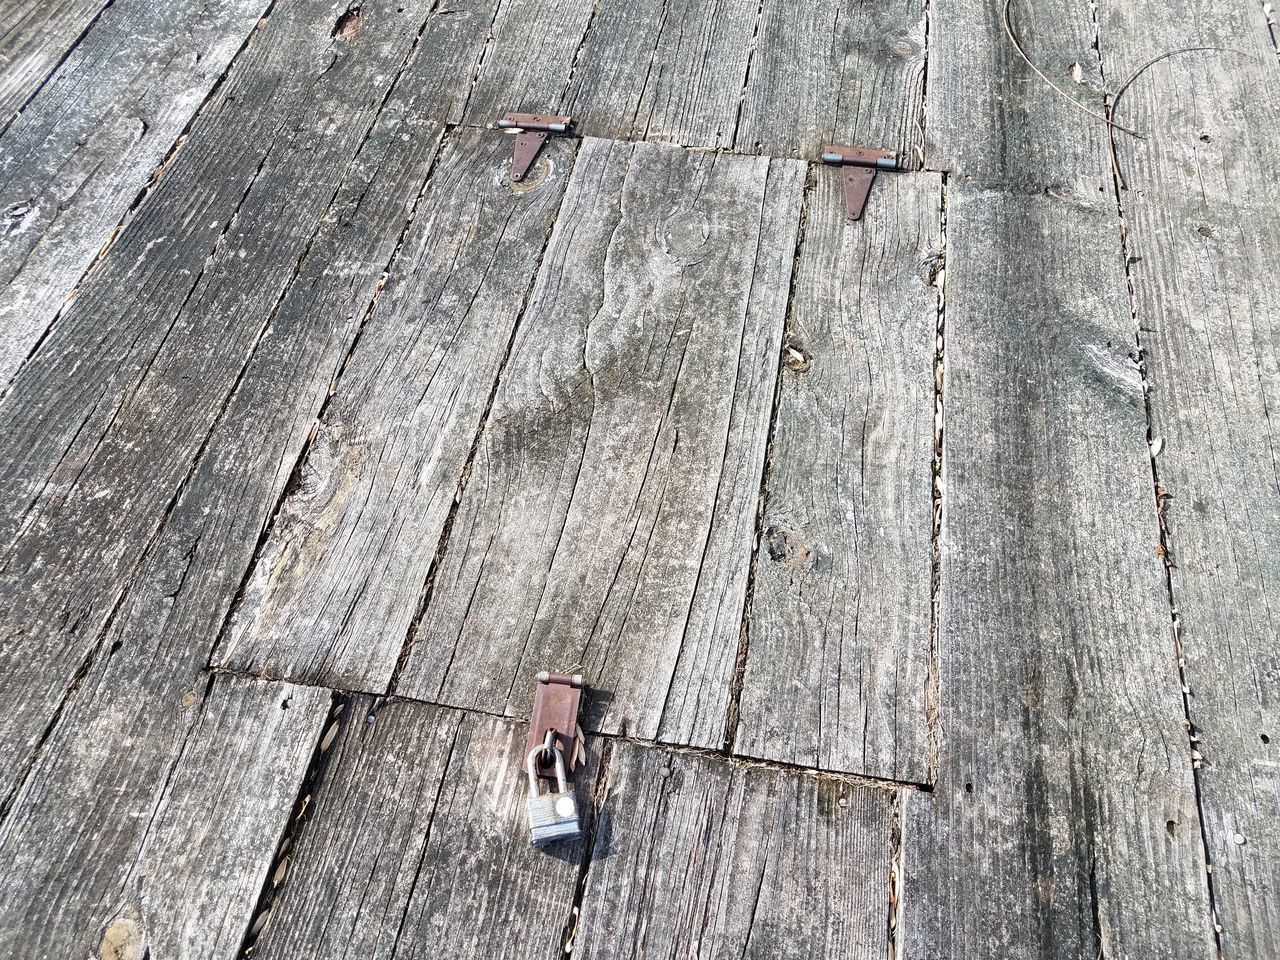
<point x="428" y="585"/>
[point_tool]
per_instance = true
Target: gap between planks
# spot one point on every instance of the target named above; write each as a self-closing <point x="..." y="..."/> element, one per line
<point x="1166" y="554"/>
<point x="722" y="755"/>
<point x="295" y="473"/>
<point x="428" y="585"/>
<point x="733" y="712"/>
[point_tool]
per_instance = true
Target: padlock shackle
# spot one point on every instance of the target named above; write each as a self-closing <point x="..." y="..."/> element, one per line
<point x="531" y="769"/>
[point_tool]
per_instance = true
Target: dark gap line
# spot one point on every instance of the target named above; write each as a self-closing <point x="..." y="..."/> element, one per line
<point x="746" y="75"/>
<point x="708" y="753"/>
<point x="1158" y="498"/>
<point x="464" y="477"/>
<point x="923" y="123"/>
<point x="897" y="874"/>
<point x="274" y="881"/>
<point x="53" y="71"/>
<point x="577" y="55"/>
<point x="143" y="194"/>
<point x="933" y="682"/>
<point x="568" y="939"/>
<point x="733" y="710"/>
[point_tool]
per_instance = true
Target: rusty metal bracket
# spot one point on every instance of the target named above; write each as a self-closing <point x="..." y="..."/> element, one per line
<point x="555" y="715"/>
<point x="860" y="165"/>
<point x="531" y="133"/>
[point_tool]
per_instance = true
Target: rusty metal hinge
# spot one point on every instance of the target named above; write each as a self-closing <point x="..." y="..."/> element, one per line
<point x="531" y="133"/>
<point x="555" y="713"/>
<point x="860" y="165"/>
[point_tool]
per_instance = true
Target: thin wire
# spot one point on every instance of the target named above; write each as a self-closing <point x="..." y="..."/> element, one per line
<point x="1111" y="107"/>
<point x="1008" y="28"/>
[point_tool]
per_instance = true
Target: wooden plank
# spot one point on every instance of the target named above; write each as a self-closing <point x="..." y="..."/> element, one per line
<point x="835" y="72"/>
<point x="839" y="631"/>
<point x="608" y="518"/>
<point x="670" y="71"/>
<point x="990" y="116"/>
<point x="102" y="864"/>
<point x="142" y="693"/>
<point x="81" y="153"/>
<point x="1063" y="822"/>
<point x="118" y="407"/>
<point x="528" y="60"/>
<point x="416" y="844"/>
<point x="697" y="857"/>
<point x="1201" y="237"/>
<point x="34" y="39"/>
<point x="679" y="71"/>
<point x="337" y="584"/>
<point x="74" y="164"/>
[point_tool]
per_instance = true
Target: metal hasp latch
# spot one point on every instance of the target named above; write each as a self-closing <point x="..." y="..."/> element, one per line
<point x="553" y="748"/>
<point x="532" y="134"/>
<point x="860" y="166"/>
<point x="555" y="710"/>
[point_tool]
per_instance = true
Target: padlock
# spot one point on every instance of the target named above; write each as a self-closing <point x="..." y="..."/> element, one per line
<point x="552" y="816"/>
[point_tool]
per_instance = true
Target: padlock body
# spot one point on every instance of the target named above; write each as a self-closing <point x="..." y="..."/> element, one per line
<point x="553" y="817"/>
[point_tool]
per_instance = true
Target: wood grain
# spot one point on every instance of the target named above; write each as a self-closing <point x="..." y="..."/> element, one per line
<point x="337" y="585"/>
<point x="839" y="631"/>
<point x="101" y="862"/>
<point x="607" y="522"/>
<point x="834" y="72"/>
<point x="102" y="431"/>
<point x="990" y="117"/>
<point x="128" y="719"/>
<point x="765" y="78"/>
<point x="74" y="163"/>
<point x="695" y="857"/>
<point x="34" y="38"/>
<point x="1064" y="822"/>
<point x="1201" y="237"/>
<point x="416" y="844"/>
<point x="528" y="60"/>
<point x="670" y="71"/>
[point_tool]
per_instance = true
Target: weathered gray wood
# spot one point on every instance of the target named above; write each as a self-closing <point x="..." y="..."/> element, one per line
<point x="175" y="865"/>
<point x="990" y="116"/>
<point x="829" y="71"/>
<point x="695" y="857"/>
<point x="117" y="406"/>
<point x="688" y="71"/>
<point x="74" y="162"/>
<point x="337" y="585"/>
<point x="1201" y="236"/>
<point x="416" y="844"/>
<point x="839" y="633"/>
<point x="608" y="518"/>
<point x="144" y="692"/>
<point x="664" y="70"/>
<point x="529" y="57"/>
<point x="34" y="37"/>
<point x="1063" y="822"/>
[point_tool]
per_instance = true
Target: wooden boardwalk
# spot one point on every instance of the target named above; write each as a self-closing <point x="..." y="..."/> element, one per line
<point x="924" y="569"/>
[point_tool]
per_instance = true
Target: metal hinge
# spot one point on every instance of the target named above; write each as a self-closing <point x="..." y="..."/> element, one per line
<point x="531" y="133"/>
<point x="860" y="165"/>
<point x="555" y="712"/>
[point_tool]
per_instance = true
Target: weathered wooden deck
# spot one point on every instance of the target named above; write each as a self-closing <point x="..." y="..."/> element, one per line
<point x="925" y="569"/>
